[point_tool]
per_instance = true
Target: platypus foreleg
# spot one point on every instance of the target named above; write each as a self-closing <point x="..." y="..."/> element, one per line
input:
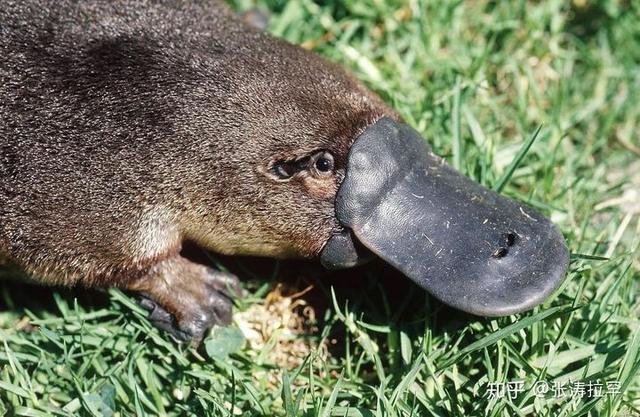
<point x="186" y="298"/>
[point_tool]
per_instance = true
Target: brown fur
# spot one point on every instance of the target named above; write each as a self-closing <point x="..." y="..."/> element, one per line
<point x="128" y="127"/>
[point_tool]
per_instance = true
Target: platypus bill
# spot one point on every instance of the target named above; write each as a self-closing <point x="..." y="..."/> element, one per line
<point x="130" y="127"/>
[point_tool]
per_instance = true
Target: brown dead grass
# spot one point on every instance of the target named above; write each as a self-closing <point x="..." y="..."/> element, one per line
<point x="276" y="328"/>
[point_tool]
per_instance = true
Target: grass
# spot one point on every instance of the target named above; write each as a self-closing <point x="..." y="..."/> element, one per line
<point x="477" y="78"/>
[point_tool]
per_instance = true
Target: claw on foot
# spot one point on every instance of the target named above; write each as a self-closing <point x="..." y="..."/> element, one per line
<point x="186" y="299"/>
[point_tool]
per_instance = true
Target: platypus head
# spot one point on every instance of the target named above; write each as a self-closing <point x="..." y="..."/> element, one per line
<point x="342" y="178"/>
<point x="465" y="244"/>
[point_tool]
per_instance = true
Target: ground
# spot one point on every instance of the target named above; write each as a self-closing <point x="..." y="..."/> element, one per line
<point x="476" y="78"/>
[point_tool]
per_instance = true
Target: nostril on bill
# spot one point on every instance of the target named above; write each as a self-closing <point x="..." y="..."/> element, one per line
<point x="507" y="240"/>
<point x="500" y="253"/>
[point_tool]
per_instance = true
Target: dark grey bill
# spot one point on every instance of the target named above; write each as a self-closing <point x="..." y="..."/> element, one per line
<point x="468" y="246"/>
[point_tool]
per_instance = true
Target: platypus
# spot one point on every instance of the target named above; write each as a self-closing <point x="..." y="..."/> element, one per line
<point x="128" y="128"/>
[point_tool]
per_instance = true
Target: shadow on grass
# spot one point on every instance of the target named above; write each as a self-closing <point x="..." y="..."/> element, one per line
<point x="375" y="293"/>
<point x="19" y="296"/>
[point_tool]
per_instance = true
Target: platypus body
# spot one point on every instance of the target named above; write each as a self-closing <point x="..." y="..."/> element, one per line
<point x="130" y="127"/>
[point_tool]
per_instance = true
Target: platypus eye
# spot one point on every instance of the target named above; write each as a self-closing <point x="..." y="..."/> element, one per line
<point x="323" y="163"/>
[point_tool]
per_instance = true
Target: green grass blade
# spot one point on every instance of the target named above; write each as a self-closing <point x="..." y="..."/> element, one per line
<point x="502" y="182"/>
